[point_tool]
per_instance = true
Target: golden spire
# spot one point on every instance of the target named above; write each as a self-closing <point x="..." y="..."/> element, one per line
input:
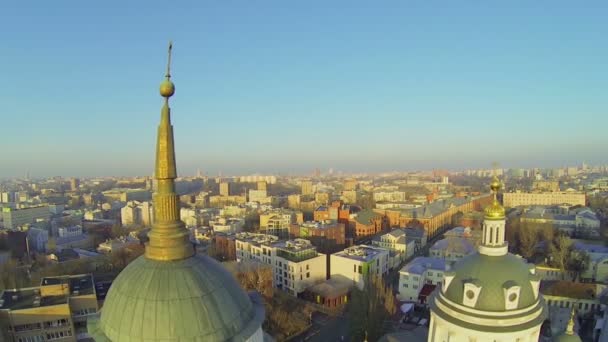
<point x="570" y="326"/>
<point x="495" y="211"/>
<point x="169" y="238"/>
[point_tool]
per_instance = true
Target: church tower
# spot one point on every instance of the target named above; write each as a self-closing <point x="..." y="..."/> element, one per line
<point x="171" y="293"/>
<point x="491" y="295"/>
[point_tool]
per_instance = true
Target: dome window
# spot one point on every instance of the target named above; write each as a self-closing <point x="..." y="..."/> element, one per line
<point x="472" y="289"/>
<point x="511" y="293"/>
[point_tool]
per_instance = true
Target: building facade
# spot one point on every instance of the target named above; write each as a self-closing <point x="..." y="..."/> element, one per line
<point x="516" y="199"/>
<point x="358" y="263"/>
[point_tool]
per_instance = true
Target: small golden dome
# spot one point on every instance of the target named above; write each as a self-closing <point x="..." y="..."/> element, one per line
<point x="495" y="185"/>
<point x="167" y="88"/>
<point x="495" y="211"/>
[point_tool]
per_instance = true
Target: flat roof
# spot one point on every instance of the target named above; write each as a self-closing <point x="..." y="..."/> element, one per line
<point x="361" y="252"/>
<point x="78" y="284"/>
<point x="420" y="264"/>
<point x="28" y="298"/>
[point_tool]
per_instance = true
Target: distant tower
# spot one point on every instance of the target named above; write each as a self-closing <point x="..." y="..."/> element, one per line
<point x="74" y="184"/>
<point x="306" y="187"/>
<point x="225" y="188"/>
<point x="171" y="293"/>
<point x="491" y="295"/>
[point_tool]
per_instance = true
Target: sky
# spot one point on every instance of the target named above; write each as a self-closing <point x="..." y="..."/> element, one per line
<point x="290" y="86"/>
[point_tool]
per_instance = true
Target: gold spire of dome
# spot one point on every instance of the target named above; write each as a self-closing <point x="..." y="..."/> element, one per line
<point x="570" y="326"/>
<point x="495" y="211"/>
<point x="169" y="238"/>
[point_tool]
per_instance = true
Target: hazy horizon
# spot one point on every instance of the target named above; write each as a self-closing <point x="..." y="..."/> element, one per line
<point x="288" y="87"/>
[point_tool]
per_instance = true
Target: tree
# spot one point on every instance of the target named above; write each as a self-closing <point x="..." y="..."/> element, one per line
<point x="559" y="251"/>
<point x="578" y="262"/>
<point x="527" y="238"/>
<point x="369" y="308"/>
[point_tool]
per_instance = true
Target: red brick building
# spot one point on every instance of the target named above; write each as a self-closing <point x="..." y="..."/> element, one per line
<point x="328" y="237"/>
<point x="367" y="223"/>
<point x="225" y="246"/>
<point x="437" y="216"/>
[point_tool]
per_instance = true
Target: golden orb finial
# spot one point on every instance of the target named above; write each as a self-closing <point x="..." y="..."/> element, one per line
<point x="167" y="88"/>
<point x="495" y="184"/>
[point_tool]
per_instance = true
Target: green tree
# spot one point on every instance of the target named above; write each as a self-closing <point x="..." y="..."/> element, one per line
<point x="369" y="308"/>
<point x="527" y="238"/>
<point x="578" y="262"/>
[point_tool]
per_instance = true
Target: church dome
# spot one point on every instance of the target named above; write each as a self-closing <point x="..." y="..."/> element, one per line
<point x="193" y="299"/>
<point x="494" y="276"/>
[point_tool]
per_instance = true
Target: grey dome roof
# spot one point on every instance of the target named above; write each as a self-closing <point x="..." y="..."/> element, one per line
<point x="492" y="274"/>
<point x="193" y="299"/>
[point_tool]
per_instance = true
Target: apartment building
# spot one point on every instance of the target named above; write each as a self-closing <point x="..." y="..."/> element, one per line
<point x="360" y="262"/>
<point x="516" y="199"/>
<point x="419" y="278"/>
<point x="15" y="218"/>
<point x="56" y="310"/>
<point x="295" y="263"/>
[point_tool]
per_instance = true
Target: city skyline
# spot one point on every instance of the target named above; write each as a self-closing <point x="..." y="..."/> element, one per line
<point x="288" y="88"/>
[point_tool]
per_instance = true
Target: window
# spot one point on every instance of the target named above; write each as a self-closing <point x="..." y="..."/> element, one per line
<point x="360" y="269"/>
<point x="414" y="286"/>
<point x="354" y="268"/>
<point x="307" y="274"/>
<point x="406" y="277"/>
<point x="307" y="267"/>
<point x="405" y="286"/>
<point x="430" y="274"/>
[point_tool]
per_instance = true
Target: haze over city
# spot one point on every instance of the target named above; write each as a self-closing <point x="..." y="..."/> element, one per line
<point x="285" y="87"/>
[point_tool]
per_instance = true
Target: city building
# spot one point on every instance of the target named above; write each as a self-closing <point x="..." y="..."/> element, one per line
<point x="452" y="249"/>
<point x="328" y="236"/>
<point x="296" y="263"/>
<point x="396" y="241"/>
<point x="331" y="293"/>
<point x="360" y="262"/>
<point x="74" y="184"/>
<point x="277" y="221"/>
<point x="367" y="223"/>
<point x="419" y="278"/>
<point x="582" y="297"/>
<point x="576" y="222"/>
<point x="126" y="195"/>
<point x="517" y="199"/>
<point x="350" y="184"/>
<point x="225" y="189"/>
<point x="306" y="187"/>
<point x="137" y="213"/>
<point x="389" y="196"/>
<point x="545" y="185"/>
<point x="15" y="218"/>
<point x="58" y="309"/>
<point x="491" y="295"/>
<point x="438" y="216"/>
<point x="297" y="266"/>
<point x="114" y="245"/>
<point x="225" y="246"/>
<point x="227" y="224"/>
<point x="209" y="306"/>
<point x="260" y="196"/>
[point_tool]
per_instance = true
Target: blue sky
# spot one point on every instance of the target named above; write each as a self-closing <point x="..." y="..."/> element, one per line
<point x="288" y="86"/>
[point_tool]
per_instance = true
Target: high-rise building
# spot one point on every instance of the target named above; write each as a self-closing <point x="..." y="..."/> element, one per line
<point x="306" y="186"/>
<point x="262" y="185"/>
<point x="14" y="218"/>
<point x="170" y="292"/>
<point x="224" y="189"/>
<point x="491" y="295"/>
<point x="74" y="184"/>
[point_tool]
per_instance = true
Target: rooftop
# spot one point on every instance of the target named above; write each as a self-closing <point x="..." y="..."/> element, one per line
<point x="568" y="289"/>
<point x="319" y="225"/>
<point x="361" y="253"/>
<point x="257" y="239"/>
<point x="79" y="284"/>
<point x="337" y="285"/>
<point x="420" y="264"/>
<point x="454" y="244"/>
<point x="27" y="298"/>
